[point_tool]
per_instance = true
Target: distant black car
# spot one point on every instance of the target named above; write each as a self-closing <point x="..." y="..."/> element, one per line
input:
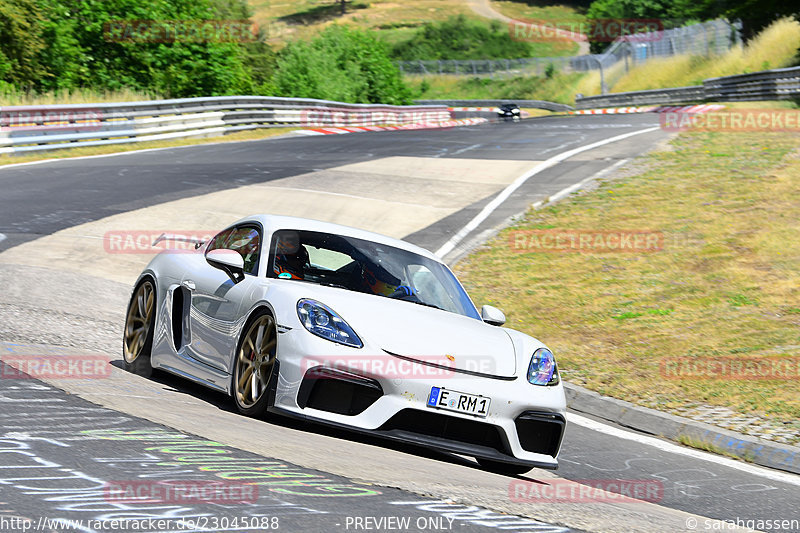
<point x="508" y="112"/>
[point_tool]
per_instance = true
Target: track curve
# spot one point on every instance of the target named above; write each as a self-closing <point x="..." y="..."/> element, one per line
<point x="422" y="185"/>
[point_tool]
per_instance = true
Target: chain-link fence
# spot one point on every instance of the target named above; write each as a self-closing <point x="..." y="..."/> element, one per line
<point x="487" y="67"/>
<point x="708" y="38"/>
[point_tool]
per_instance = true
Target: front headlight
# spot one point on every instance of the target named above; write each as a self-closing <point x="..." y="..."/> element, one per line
<point x="542" y="370"/>
<point x="323" y="322"/>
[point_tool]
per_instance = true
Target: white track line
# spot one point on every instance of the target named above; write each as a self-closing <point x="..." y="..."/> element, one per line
<point x="666" y="446"/>
<point x="572" y="188"/>
<point x="517" y="183"/>
<point x="2" y="237"/>
<point x="131" y="152"/>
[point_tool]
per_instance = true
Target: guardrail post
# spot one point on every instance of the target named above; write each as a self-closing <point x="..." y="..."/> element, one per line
<point x="603" y="88"/>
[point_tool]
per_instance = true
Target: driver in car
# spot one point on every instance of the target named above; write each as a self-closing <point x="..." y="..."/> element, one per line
<point x="291" y="257"/>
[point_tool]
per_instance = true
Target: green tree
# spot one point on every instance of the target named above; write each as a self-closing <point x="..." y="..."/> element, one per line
<point x="174" y="68"/>
<point x="758" y="14"/>
<point x="64" y="44"/>
<point x="20" y="41"/>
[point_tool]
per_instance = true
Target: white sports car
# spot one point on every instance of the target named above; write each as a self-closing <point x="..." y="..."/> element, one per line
<point x="351" y="328"/>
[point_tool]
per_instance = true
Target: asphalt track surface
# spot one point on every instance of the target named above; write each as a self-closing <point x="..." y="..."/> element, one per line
<point x="40" y="199"/>
<point x="73" y="466"/>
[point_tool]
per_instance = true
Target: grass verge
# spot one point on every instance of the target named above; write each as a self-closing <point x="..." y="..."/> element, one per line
<point x="302" y="19"/>
<point x="775" y="47"/>
<point x="564" y="14"/>
<point x="10" y="97"/>
<point x="393" y="21"/>
<point x="8" y="159"/>
<point x="725" y="285"/>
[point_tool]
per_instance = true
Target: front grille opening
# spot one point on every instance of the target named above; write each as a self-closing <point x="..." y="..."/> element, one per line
<point x="337" y="392"/>
<point x="540" y="432"/>
<point x="446" y="427"/>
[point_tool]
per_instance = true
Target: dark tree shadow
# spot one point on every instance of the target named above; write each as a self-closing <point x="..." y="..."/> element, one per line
<point x="321" y="13"/>
<point x="579" y="5"/>
<point x="224" y="402"/>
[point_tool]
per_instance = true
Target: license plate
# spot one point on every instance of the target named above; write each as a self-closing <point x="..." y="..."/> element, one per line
<point x="460" y="402"/>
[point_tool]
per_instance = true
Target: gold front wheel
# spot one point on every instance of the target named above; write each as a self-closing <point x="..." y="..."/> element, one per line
<point x="255" y="362"/>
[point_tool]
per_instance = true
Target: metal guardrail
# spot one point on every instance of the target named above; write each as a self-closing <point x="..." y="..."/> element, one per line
<point x="679" y="95"/>
<point x="532" y="104"/>
<point x="48" y="127"/>
<point x="777" y="84"/>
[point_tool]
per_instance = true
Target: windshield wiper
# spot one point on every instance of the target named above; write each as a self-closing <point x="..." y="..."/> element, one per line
<point x="331" y="284"/>
<point x="426" y="304"/>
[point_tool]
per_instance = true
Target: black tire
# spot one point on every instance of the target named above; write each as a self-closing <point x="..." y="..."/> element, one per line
<point x="507" y="469"/>
<point x="254" y="364"/>
<point x="137" y="339"/>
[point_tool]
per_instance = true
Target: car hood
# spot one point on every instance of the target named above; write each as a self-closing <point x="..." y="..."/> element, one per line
<point x="425" y="334"/>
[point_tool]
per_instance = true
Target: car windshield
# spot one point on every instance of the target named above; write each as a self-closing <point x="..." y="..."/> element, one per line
<point x="368" y="267"/>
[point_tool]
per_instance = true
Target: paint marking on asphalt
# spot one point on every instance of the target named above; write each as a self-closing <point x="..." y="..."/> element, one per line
<point x="2" y="237"/>
<point x="516" y="184"/>
<point x="141" y="151"/>
<point x="319" y="191"/>
<point x="666" y="446"/>
<point x="468" y="148"/>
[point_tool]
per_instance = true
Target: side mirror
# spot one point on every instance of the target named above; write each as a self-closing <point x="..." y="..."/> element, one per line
<point x="229" y="261"/>
<point x="492" y="315"/>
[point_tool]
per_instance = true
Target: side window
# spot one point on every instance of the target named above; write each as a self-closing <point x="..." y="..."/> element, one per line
<point x="218" y="242"/>
<point x="245" y="240"/>
<point x="289" y="256"/>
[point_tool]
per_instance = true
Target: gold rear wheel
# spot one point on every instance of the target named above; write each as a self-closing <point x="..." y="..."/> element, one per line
<point x="137" y="341"/>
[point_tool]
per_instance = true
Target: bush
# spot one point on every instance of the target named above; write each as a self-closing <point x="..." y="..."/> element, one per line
<point x="342" y="64"/>
<point x="461" y="38"/>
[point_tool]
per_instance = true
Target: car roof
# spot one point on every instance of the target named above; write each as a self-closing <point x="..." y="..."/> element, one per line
<point x="272" y="223"/>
